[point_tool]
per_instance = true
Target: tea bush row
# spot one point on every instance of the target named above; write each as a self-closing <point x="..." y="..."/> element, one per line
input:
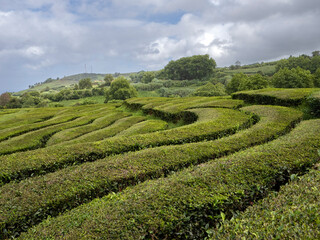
<point x="106" y="120"/>
<point x="186" y="204"/>
<point x="293" y="213"/>
<point x="221" y="122"/>
<point x="52" y="193"/>
<point x="276" y="96"/>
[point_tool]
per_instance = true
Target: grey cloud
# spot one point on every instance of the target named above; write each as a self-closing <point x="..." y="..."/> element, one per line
<point x="50" y="38"/>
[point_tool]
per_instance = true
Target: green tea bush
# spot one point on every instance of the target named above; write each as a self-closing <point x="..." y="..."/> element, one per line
<point x="66" y="135"/>
<point x="144" y="127"/>
<point x="293" y="213"/>
<point x="69" y="187"/>
<point x="222" y="122"/>
<point x="313" y="101"/>
<point x="38" y="138"/>
<point x="186" y="204"/>
<point x="276" y="96"/>
<point x="117" y="127"/>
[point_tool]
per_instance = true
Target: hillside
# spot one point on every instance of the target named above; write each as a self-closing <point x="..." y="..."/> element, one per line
<point x="156" y="168"/>
<point x="65" y="82"/>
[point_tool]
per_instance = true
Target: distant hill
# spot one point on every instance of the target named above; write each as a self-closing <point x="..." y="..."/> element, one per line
<point x="67" y="81"/>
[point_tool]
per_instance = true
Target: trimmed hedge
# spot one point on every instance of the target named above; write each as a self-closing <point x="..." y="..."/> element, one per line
<point x="22" y="165"/>
<point x="276" y="96"/>
<point x="55" y="192"/>
<point x="26" y="116"/>
<point x="173" y="109"/>
<point x="147" y="126"/>
<point x="102" y="122"/>
<point x="16" y="131"/>
<point x="109" y="131"/>
<point x="293" y="213"/>
<point x="60" y="116"/>
<point x="184" y="205"/>
<point x="37" y="139"/>
<point x="313" y="101"/>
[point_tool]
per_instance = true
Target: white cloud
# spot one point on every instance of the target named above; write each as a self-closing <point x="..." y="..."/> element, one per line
<point x="34" y="51"/>
<point x="48" y="38"/>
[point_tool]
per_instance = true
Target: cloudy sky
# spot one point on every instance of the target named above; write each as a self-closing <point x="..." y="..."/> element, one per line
<point x="53" y="38"/>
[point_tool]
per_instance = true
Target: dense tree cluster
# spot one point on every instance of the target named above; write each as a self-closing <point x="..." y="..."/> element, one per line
<point x="311" y="63"/>
<point x="144" y="77"/>
<point x="108" y="79"/>
<point x="27" y="99"/>
<point x="195" y="67"/>
<point x="120" y="89"/>
<point x="241" y="82"/>
<point x="210" y="89"/>
<point x="293" y="78"/>
<point x="85" y="83"/>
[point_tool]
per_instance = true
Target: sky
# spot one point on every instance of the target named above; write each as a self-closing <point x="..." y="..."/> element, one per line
<point x="41" y="39"/>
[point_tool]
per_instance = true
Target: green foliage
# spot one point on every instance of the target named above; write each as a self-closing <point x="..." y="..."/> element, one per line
<point x="294" y="78"/>
<point x="175" y="92"/>
<point x="195" y="67"/>
<point x="184" y="205"/>
<point x="41" y="133"/>
<point x="60" y="155"/>
<point x="316" y="81"/>
<point x="108" y="79"/>
<point x="148" y="77"/>
<point x="236" y="81"/>
<point x="293" y="213"/>
<point x="196" y="189"/>
<point x="209" y="90"/>
<point x="276" y="96"/>
<point x="313" y="101"/>
<point x="241" y="81"/>
<point x="144" y="127"/>
<point x="305" y="62"/>
<point x="120" y="89"/>
<point x="148" y="162"/>
<point x="85" y="83"/>
<point x="256" y="81"/>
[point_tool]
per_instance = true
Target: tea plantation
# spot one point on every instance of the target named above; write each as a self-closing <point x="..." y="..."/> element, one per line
<point x="164" y="168"/>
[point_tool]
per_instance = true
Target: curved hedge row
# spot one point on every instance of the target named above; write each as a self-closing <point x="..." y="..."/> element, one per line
<point x="55" y="192"/>
<point x="37" y="139"/>
<point x="293" y="213"/>
<point x="147" y="126"/>
<point x="48" y="121"/>
<point x="186" y="204"/>
<point x="313" y="101"/>
<point x="117" y="127"/>
<point x="26" y="116"/>
<point x="106" y="120"/>
<point x="276" y="96"/>
<point x="221" y="122"/>
<point x="174" y="109"/>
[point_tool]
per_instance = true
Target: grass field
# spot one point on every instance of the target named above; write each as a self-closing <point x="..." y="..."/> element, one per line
<point x="162" y="168"/>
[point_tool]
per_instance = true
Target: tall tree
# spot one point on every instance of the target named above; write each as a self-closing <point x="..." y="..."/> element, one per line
<point x="85" y="83"/>
<point x="195" y="67"/>
<point x="5" y="99"/>
<point x="293" y="78"/>
<point x="120" y="89"/>
<point x="108" y="79"/>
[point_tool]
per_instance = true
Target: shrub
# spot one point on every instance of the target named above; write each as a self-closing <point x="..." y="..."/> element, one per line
<point x="185" y="204"/>
<point x="294" y="78"/>
<point x="120" y="89"/>
<point x="209" y="90"/>
<point x="293" y="213"/>
<point x="116" y="172"/>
